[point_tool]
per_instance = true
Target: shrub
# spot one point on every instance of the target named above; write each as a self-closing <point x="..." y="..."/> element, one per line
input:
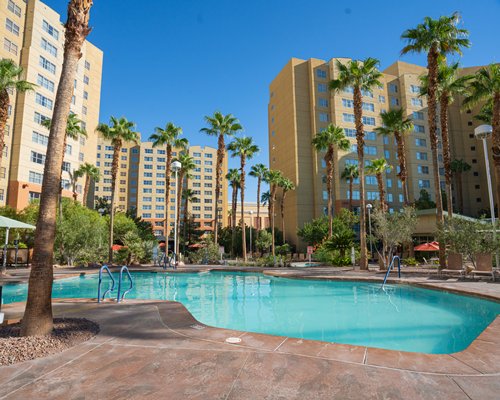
<point x="208" y="254"/>
<point x="409" y="261"/>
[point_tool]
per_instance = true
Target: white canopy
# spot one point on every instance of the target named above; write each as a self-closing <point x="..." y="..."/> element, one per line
<point x="13" y="224"/>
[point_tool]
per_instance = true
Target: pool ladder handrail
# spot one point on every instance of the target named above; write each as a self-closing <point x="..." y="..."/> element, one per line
<point x="104" y="267"/>
<point x="392" y="266"/>
<point x="118" y="298"/>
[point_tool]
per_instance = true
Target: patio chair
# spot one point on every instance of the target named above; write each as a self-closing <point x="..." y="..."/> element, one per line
<point x="455" y="266"/>
<point x="484" y="266"/>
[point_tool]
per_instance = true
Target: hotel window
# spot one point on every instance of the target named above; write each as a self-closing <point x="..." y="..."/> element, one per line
<point x="35" y="177"/>
<point x="84" y="110"/>
<point x="348" y="103"/>
<point x="49" y="47"/>
<point x="321" y="73"/>
<point x="86" y="79"/>
<point x="417" y="102"/>
<point x="196" y="154"/>
<point x="66" y="166"/>
<point x="50" y="30"/>
<point x="322" y="88"/>
<point x="424" y="183"/>
<point x="370" y="135"/>
<point x="415" y="89"/>
<point x="46" y="64"/>
<point x="323" y="117"/>
<point x="69" y="149"/>
<point x="350" y="132"/>
<point x="86" y="95"/>
<point x="159" y="151"/>
<point x="322" y="103"/>
<point x="421" y="156"/>
<point x="9" y="46"/>
<point x="39" y="138"/>
<point x="368" y="120"/>
<point x="147" y="151"/>
<point x="160" y="159"/>
<point x="11" y="26"/>
<point x="160" y="191"/>
<point x="389" y="183"/>
<point x="389" y="197"/>
<point x="371" y="150"/>
<point x="368" y="107"/>
<point x="401" y="198"/>
<point x="420" y="142"/>
<point x="146" y="207"/>
<point x="348" y="117"/>
<point x="87" y="65"/>
<point x="37" y="158"/>
<point x="39" y="118"/>
<point x="146" y="215"/>
<point x="355" y="194"/>
<point x="393" y="88"/>
<point x="147" y="199"/>
<point x="44" y="82"/>
<point x="208" y="155"/>
<point x="208" y="162"/>
<point x="367" y="93"/>
<point x="371" y="180"/>
<point x="147" y="182"/>
<point x="351" y="161"/>
<point x="423" y="169"/>
<point x="159" y="215"/>
<point x="418" y="115"/>
<point x="349" y="89"/>
<point x="394" y="101"/>
<point x="11" y="6"/>
<point x="418" y="128"/>
<point x="372" y="196"/>
<point x="387" y="154"/>
<point x="381" y="99"/>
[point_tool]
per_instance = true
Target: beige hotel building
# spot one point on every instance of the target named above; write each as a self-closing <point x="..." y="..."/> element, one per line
<point x="141" y="184"/>
<point x="33" y="36"/>
<point x="300" y="105"/>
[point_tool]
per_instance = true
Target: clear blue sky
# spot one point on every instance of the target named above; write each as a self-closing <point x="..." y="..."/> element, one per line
<point x="171" y="60"/>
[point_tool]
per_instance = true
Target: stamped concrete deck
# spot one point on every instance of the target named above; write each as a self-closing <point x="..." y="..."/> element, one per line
<point x="153" y="350"/>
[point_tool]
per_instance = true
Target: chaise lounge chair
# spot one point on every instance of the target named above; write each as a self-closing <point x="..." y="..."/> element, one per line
<point x="455" y="266"/>
<point x="484" y="266"/>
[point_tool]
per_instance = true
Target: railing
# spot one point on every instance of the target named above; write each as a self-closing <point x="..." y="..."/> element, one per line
<point x="118" y="298"/>
<point x="104" y="267"/>
<point x="390" y="267"/>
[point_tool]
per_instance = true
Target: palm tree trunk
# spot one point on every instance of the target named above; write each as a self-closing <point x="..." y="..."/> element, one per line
<point x="258" y="202"/>
<point x="168" y="173"/>
<point x="446" y="151"/>
<point x="185" y="220"/>
<point x="114" y="174"/>
<point x="179" y="199"/>
<point x="329" y="178"/>
<point x="37" y="319"/>
<point x="234" y="199"/>
<point x="350" y="192"/>
<point x="242" y="194"/>
<point x="86" y="190"/>
<point x="432" y="64"/>
<point x="282" y="206"/>
<point x="272" y="201"/>
<point x="381" y="190"/>
<point x="460" y="192"/>
<point x="4" y="116"/>
<point x="60" y="186"/>
<point x="360" y="139"/>
<point x="496" y="142"/>
<point x="403" y="172"/>
<point x="221" y="152"/>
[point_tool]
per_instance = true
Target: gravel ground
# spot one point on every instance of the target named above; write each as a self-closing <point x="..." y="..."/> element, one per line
<point x="68" y="332"/>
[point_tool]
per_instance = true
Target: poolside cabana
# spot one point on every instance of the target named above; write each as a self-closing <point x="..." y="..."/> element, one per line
<point x="9" y="224"/>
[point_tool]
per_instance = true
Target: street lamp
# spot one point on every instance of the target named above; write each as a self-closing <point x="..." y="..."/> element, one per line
<point x="251" y="228"/>
<point x="369" y="207"/>
<point x="483" y="132"/>
<point x="176" y="166"/>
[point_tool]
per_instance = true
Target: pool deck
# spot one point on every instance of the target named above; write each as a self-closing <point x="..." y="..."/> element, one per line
<point x="156" y="349"/>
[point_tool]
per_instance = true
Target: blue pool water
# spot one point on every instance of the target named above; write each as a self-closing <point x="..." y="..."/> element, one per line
<point x="402" y="318"/>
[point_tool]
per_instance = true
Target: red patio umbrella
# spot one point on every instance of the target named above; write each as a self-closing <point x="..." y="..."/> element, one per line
<point x="117" y="247"/>
<point x="432" y="246"/>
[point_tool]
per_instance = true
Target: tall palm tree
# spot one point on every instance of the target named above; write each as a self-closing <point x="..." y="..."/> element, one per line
<point x="119" y="131"/>
<point x="10" y="80"/>
<point x="458" y="167"/>
<point x="245" y="148"/>
<point x="234" y="178"/>
<point x="258" y="171"/>
<point x="438" y="38"/>
<point x="485" y="114"/>
<point x="379" y="167"/>
<point x="188" y="165"/>
<point x="265" y="199"/>
<point x="350" y="173"/>
<point x="328" y="140"/>
<point x="273" y="178"/>
<point x="73" y="179"/>
<point x="361" y="76"/>
<point x="449" y="85"/>
<point x="286" y="185"/>
<point x="220" y="125"/>
<point x="91" y="172"/>
<point x="485" y="87"/>
<point x="169" y="137"/>
<point x="37" y="318"/>
<point x="394" y="122"/>
<point x="74" y="130"/>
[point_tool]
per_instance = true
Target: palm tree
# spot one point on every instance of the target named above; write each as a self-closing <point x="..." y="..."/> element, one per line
<point x="273" y="178"/>
<point x="234" y="178"/>
<point x="37" y="318"/>
<point x="258" y="171"/>
<point x="220" y="125"/>
<point x="438" y="38"/>
<point x="361" y="76"/>
<point x="188" y="195"/>
<point x="119" y="131"/>
<point x="169" y="137"/>
<point x="449" y="85"/>
<point x="246" y="149"/>
<point x="485" y="87"/>
<point x="74" y="130"/>
<point x="265" y="199"/>
<point x="350" y="173"/>
<point x="188" y="165"/>
<point x="10" y="80"/>
<point x="286" y="185"/>
<point x="73" y="178"/>
<point x="91" y="172"/>
<point x="379" y="167"/>
<point x="394" y="122"/>
<point x="458" y="167"/>
<point x="329" y="139"/>
<point x="485" y="114"/>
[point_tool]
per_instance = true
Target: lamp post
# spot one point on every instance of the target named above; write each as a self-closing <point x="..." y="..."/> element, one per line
<point x="176" y="166"/>
<point x="369" y="207"/>
<point x="483" y="132"/>
<point x="251" y="228"/>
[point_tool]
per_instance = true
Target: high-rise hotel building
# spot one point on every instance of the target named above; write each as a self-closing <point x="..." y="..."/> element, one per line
<point x="33" y="36"/>
<point x="301" y="104"/>
<point x="141" y="184"/>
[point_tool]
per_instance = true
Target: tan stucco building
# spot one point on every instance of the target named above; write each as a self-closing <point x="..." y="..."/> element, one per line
<point x="301" y="104"/>
<point x="33" y="36"/>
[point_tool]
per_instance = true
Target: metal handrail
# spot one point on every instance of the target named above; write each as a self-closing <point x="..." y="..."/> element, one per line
<point x="104" y="267"/>
<point x="118" y="298"/>
<point x="390" y="267"/>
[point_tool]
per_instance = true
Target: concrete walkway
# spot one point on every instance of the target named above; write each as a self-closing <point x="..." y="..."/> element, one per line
<point x="157" y="350"/>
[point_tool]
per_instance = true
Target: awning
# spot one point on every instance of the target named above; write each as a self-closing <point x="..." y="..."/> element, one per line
<point x="13" y="224"/>
<point x="432" y="246"/>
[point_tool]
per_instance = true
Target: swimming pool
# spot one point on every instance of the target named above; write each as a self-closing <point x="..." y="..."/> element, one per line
<point x="401" y="318"/>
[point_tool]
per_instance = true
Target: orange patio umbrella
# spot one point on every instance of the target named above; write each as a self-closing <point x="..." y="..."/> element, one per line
<point x="431" y="246"/>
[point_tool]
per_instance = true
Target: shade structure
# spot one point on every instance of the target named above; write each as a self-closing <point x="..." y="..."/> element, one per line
<point x="9" y="224"/>
<point x="431" y="246"/>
